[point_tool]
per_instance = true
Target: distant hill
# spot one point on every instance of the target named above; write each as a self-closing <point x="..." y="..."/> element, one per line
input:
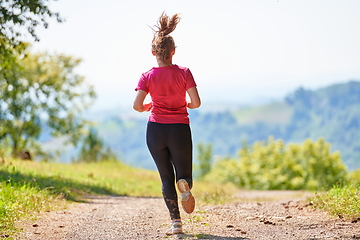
<point x="332" y="112"/>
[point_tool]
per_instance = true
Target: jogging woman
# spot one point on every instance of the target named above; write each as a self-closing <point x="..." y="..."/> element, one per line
<point x="168" y="133"/>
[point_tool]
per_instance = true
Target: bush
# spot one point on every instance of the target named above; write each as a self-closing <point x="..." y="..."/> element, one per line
<point x="354" y="177"/>
<point x="270" y="165"/>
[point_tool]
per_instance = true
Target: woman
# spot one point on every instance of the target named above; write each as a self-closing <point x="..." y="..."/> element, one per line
<point x="168" y="134"/>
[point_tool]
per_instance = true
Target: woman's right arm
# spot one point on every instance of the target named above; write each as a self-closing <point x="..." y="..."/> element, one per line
<point x="195" y="101"/>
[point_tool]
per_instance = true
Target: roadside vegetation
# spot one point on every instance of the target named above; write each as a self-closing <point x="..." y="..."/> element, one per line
<point x="342" y="201"/>
<point x="273" y="165"/>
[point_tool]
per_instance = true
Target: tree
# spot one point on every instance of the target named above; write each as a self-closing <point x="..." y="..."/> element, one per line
<point x="36" y="89"/>
<point x="42" y="89"/>
<point x="9" y="69"/>
<point x="18" y="14"/>
<point x="93" y="149"/>
<point x="204" y="157"/>
<point x="15" y="16"/>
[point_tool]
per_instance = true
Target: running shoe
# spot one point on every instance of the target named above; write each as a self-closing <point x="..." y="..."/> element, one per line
<point x="176" y="228"/>
<point x="187" y="199"/>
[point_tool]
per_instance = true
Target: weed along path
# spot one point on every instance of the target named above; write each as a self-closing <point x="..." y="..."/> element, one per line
<point x="255" y="215"/>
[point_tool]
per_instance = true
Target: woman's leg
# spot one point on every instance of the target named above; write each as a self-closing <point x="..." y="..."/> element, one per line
<point x="180" y="147"/>
<point x="156" y="138"/>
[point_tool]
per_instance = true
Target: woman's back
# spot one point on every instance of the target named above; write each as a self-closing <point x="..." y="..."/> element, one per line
<point x="167" y="87"/>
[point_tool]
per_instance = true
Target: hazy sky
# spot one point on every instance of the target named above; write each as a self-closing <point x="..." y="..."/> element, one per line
<point x="239" y="51"/>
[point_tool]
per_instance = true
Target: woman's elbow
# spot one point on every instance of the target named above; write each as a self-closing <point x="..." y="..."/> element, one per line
<point x="137" y="107"/>
<point x="197" y="104"/>
<point x="194" y="105"/>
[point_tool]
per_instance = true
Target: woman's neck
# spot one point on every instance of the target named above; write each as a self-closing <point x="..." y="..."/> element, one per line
<point x="166" y="63"/>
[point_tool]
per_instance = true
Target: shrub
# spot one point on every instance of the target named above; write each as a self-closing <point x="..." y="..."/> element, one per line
<point x="272" y="165"/>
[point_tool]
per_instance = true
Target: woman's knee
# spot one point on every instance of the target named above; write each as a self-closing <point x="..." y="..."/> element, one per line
<point x="168" y="187"/>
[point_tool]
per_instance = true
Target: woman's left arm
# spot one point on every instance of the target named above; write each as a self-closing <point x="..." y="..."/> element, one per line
<point x="195" y="101"/>
<point x="139" y="104"/>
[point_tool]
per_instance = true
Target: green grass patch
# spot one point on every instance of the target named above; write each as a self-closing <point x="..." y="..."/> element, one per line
<point x="21" y="200"/>
<point x="343" y="202"/>
<point x="74" y="180"/>
<point x="28" y="187"/>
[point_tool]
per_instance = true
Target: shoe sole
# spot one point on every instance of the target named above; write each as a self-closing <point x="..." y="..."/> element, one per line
<point x="172" y="232"/>
<point x="178" y="232"/>
<point x="187" y="199"/>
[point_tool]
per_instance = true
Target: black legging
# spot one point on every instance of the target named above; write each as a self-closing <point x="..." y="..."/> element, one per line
<point x="171" y="148"/>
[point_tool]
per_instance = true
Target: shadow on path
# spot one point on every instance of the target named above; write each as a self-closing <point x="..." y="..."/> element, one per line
<point x="208" y="236"/>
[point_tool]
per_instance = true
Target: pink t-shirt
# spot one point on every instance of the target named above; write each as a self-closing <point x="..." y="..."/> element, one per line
<point x="167" y="87"/>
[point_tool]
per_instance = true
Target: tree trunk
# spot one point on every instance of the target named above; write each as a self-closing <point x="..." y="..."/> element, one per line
<point x="15" y="150"/>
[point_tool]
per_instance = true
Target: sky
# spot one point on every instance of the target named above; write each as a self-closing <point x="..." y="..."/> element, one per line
<point x="239" y="51"/>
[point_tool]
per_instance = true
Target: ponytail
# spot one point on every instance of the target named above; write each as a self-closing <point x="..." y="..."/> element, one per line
<point x="163" y="43"/>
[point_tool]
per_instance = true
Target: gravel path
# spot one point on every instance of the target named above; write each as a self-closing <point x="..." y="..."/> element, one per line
<point x="257" y="215"/>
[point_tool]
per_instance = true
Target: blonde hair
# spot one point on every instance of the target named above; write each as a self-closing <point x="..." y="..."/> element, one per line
<point x="162" y="43"/>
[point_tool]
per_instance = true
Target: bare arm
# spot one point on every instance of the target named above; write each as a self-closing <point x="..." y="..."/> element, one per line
<point x="195" y="101"/>
<point x="139" y="104"/>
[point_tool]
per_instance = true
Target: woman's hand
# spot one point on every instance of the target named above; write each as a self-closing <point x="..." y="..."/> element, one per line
<point x="147" y="106"/>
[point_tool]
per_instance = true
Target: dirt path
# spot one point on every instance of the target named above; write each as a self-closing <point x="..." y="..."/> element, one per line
<point x="257" y="215"/>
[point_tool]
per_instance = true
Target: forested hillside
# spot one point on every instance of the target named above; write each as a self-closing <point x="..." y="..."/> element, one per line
<point x="332" y="113"/>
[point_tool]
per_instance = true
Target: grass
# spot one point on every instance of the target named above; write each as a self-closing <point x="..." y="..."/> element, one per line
<point x="23" y="201"/>
<point x="343" y="202"/>
<point x="28" y="188"/>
